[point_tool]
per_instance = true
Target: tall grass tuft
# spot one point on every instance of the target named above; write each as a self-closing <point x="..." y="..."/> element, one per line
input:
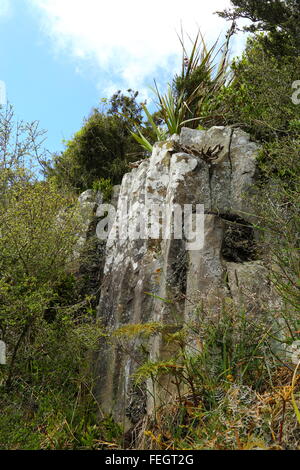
<point x="186" y="102"/>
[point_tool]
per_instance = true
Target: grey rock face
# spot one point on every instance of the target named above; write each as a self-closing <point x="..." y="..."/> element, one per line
<point x="88" y="257"/>
<point x="2" y="353"/>
<point x="88" y="203"/>
<point x="137" y="274"/>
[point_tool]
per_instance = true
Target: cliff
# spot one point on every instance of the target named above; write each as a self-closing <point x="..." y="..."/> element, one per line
<point x="162" y="280"/>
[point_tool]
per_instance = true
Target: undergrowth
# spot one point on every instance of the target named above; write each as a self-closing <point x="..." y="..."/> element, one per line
<point x="229" y="384"/>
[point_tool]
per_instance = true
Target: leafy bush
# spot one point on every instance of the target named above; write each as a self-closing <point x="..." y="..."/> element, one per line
<point x="105" y="186"/>
<point x="228" y="390"/>
<point x="278" y="207"/>
<point x="278" y="18"/>
<point x="259" y="97"/>
<point x="101" y="149"/>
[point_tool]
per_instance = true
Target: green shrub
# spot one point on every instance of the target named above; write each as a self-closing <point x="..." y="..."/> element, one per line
<point x="101" y="149"/>
<point x="279" y="19"/>
<point x="278" y="208"/>
<point x="105" y="186"/>
<point x="259" y="99"/>
<point x="228" y="390"/>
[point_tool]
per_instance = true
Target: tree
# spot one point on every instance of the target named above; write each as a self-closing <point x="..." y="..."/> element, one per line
<point x="102" y="148"/>
<point x="48" y="325"/>
<point x="38" y="230"/>
<point x="126" y="107"/>
<point x="279" y="18"/>
<point x="21" y="148"/>
<point x="38" y="227"/>
<point x="259" y="98"/>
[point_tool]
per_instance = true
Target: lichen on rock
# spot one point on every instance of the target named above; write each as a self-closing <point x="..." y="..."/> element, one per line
<point x="139" y="273"/>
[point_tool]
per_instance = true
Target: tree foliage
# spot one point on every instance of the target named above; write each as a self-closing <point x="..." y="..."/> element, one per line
<point x="259" y="98"/>
<point x="47" y="340"/>
<point x="21" y="148"/>
<point x="102" y="148"/>
<point x="279" y="18"/>
<point x="38" y="234"/>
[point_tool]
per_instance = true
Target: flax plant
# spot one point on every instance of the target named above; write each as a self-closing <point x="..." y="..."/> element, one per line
<point x="187" y="100"/>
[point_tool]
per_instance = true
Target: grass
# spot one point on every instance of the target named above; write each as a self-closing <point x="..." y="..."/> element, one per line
<point x="229" y="392"/>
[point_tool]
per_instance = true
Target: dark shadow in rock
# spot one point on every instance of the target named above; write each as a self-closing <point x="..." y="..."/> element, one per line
<point x="177" y="274"/>
<point x="239" y="245"/>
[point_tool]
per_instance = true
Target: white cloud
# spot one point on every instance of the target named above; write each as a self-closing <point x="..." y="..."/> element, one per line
<point x="5" y="8"/>
<point x="133" y="40"/>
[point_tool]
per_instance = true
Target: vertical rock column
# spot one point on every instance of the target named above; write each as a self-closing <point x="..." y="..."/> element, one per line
<point x="139" y="273"/>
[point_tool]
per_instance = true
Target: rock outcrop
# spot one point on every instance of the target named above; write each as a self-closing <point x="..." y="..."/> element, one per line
<point x="89" y="254"/>
<point x="215" y="168"/>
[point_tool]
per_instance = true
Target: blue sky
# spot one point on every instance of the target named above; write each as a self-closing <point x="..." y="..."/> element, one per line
<point x="60" y="57"/>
